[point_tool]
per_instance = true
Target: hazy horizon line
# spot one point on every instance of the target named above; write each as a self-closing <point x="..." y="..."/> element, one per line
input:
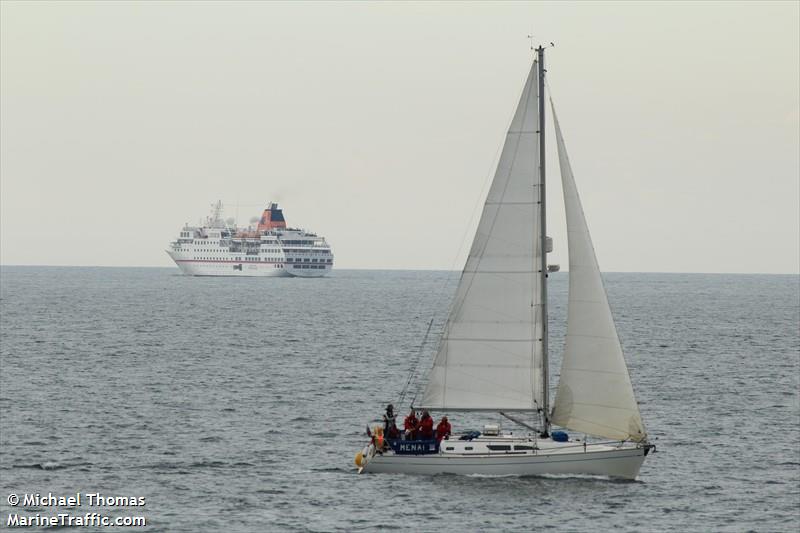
<point x="2" y="265"/>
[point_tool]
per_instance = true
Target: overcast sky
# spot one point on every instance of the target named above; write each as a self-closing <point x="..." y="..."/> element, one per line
<point x="378" y="125"/>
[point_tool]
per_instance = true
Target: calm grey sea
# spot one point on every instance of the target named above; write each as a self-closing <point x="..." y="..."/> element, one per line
<point x="238" y="404"/>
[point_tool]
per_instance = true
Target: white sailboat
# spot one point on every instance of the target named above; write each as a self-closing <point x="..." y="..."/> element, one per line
<point x="493" y="356"/>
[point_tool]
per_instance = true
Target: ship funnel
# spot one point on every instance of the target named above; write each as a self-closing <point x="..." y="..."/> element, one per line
<point x="272" y="217"/>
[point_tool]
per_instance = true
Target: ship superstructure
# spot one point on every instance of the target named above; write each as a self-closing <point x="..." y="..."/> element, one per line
<point x="268" y="248"/>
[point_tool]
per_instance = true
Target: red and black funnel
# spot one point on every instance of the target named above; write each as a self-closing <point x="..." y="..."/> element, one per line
<point x="272" y="217"/>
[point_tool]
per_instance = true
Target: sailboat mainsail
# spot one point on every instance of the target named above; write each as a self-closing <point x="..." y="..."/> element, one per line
<point x="594" y="395"/>
<point x="490" y="354"/>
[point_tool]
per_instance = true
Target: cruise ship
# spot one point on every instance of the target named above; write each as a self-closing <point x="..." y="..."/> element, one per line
<point x="270" y="248"/>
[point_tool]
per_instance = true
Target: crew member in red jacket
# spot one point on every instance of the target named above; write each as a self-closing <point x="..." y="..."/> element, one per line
<point x="443" y="429"/>
<point x="425" y="426"/>
<point x="411" y="424"/>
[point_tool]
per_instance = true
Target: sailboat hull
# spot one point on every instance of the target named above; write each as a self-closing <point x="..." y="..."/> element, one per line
<point x="622" y="463"/>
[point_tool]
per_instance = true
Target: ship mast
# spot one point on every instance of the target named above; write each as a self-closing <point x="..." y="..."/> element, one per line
<point x="543" y="244"/>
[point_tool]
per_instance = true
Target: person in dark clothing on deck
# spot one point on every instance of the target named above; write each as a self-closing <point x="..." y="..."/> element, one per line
<point x="443" y="429"/>
<point x="393" y="433"/>
<point x="425" y="426"/>
<point x="411" y="424"/>
<point x="388" y="419"/>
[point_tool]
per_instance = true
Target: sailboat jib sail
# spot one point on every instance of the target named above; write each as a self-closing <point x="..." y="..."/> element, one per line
<point x="490" y="354"/>
<point x="594" y="394"/>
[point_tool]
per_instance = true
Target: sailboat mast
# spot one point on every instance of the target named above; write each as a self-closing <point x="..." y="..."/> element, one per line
<point x="543" y="241"/>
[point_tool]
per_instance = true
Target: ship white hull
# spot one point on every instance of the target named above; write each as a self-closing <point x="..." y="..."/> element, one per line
<point x="598" y="460"/>
<point x="191" y="267"/>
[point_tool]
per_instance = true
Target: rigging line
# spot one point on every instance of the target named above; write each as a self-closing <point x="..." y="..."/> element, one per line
<point x="518" y="421"/>
<point x="415" y="367"/>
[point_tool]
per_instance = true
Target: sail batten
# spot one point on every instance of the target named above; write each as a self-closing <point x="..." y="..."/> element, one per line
<point x="490" y="354"/>
<point x="594" y="394"/>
